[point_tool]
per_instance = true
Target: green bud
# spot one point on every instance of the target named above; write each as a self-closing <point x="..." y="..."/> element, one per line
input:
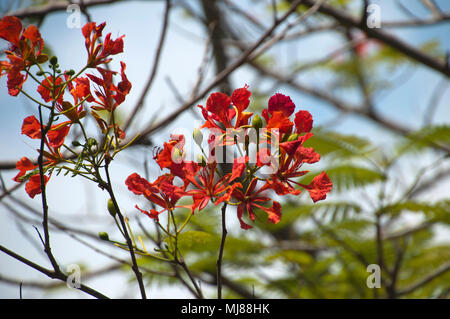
<point x="91" y="142"/>
<point x="293" y="137"/>
<point x="76" y="143"/>
<point x="111" y="208"/>
<point x="257" y="122"/>
<point x="201" y="160"/>
<point x="39" y="73"/>
<point x="70" y="72"/>
<point x="103" y="236"/>
<point x="53" y="60"/>
<point x="198" y="136"/>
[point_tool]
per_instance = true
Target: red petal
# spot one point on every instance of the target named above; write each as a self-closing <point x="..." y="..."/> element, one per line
<point x="241" y="98"/>
<point x="31" y="127"/>
<point x="291" y="147"/>
<point x="124" y="86"/>
<point x="319" y="187"/>
<point x="218" y="104"/>
<point x="238" y="167"/>
<point x="33" y="186"/>
<point x="32" y="33"/>
<point x="10" y="28"/>
<point x="15" y="81"/>
<point x="303" y="121"/>
<point x="23" y="165"/>
<point x="280" y="121"/>
<point x="240" y="212"/>
<point x="57" y="135"/>
<point x="283" y="103"/>
<point x="306" y="155"/>
<point x="137" y="184"/>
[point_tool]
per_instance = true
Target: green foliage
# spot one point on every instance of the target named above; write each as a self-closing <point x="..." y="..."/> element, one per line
<point x="429" y="136"/>
<point x="339" y="145"/>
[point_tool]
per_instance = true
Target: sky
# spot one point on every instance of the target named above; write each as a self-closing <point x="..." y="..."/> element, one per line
<point x="141" y="22"/>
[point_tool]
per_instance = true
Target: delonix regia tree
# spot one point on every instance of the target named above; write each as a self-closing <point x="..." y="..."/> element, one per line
<point x="255" y="201"/>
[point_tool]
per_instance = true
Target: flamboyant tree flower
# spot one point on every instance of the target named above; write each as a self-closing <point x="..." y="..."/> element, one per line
<point x="253" y="199"/>
<point x="245" y="187"/>
<point x="53" y="141"/>
<point x="25" y="50"/>
<point x="99" y="53"/>
<point x="162" y="192"/>
<point x="221" y="110"/>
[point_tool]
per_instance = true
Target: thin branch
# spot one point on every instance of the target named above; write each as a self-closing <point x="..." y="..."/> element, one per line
<point x="439" y="272"/>
<point x="53" y="6"/>
<point x="222" y="246"/>
<point x="387" y="38"/>
<point x="50" y="273"/>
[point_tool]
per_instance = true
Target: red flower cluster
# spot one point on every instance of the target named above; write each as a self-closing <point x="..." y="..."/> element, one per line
<point x="244" y="186"/>
<point x="25" y="51"/>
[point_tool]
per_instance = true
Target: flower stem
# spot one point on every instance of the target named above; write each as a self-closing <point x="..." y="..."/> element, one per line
<point x="222" y="246"/>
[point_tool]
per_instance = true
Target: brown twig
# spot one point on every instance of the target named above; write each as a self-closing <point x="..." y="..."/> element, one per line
<point x="134" y="267"/>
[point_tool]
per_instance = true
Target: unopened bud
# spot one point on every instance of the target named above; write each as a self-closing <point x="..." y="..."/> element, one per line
<point x="201" y="160"/>
<point x="103" y="236"/>
<point x="53" y="60"/>
<point x="111" y="208"/>
<point x="198" y="136"/>
<point x="76" y="143"/>
<point x="257" y="122"/>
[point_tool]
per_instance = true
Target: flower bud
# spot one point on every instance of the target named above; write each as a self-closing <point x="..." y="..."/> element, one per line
<point x="293" y="137"/>
<point x="70" y="72"/>
<point x="257" y="122"/>
<point x="53" y="60"/>
<point x="76" y="143"/>
<point x="111" y="208"/>
<point x="39" y="73"/>
<point x="198" y="136"/>
<point x="103" y="236"/>
<point x="201" y="160"/>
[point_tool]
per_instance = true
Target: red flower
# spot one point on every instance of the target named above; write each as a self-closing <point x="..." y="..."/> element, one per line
<point x="31" y="127"/>
<point x="253" y="199"/>
<point x="319" y="187"/>
<point x="221" y="109"/>
<point x="33" y="186"/>
<point x="46" y="88"/>
<point x="303" y="121"/>
<point x="162" y="192"/>
<point x="108" y="95"/>
<point x="207" y="187"/>
<point x="99" y="53"/>
<point x="23" y="165"/>
<point x="283" y="103"/>
<point x="56" y="135"/>
<point x="25" y="50"/>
